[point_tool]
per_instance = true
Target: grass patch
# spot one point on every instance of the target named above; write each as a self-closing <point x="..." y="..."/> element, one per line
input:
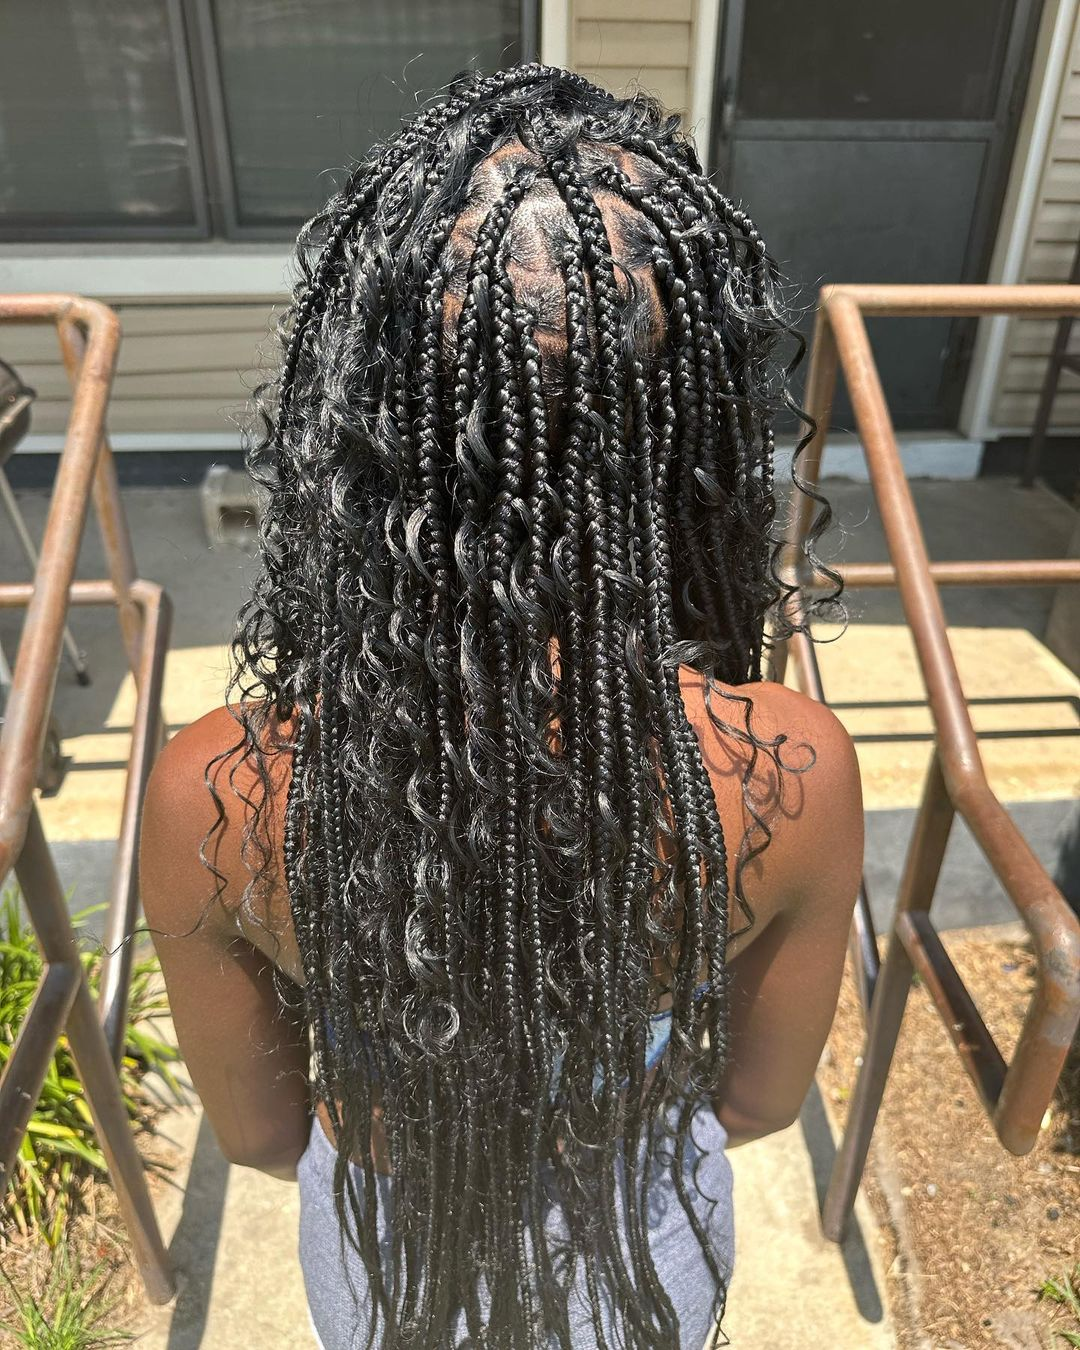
<point x="1066" y="1293"/>
<point x="60" y="1149"/>
<point x="67" y="1314"/>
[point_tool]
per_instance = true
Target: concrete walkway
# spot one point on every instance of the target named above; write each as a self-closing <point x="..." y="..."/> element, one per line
<point x="232" y="1238"/>
<point x="233" y="1232"/>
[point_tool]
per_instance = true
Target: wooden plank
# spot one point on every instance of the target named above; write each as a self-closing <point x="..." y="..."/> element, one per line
<point x="605" y="43"/>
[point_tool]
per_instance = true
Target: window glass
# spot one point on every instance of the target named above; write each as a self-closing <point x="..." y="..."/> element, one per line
<point x="92" y="134"/>
<point x="309" y="85"/>
<point x="872" y="59"/>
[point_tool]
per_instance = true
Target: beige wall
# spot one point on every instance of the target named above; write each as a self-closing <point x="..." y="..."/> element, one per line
<point x="183" y="367"/>
<point x="1048" y="258"/>
<point x="618" y="43"/>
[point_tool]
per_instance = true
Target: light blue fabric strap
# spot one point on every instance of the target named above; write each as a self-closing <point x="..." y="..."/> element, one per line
<point x="655" y="1045"/>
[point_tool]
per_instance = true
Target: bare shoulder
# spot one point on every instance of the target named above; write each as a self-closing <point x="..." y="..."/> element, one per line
<point x="805" y="784"/>
<point x="196" y="759"/>
<point x="811" y="738"/>
<point x="188" y="753"/>
<point x="807" y="735"/>
<point x="183" y="818"/>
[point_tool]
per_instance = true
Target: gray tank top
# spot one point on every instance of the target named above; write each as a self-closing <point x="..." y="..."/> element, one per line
<point x="335" y="1282"/>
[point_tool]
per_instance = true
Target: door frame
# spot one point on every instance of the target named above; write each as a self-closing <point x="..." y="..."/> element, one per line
<point x="998" y="133"/>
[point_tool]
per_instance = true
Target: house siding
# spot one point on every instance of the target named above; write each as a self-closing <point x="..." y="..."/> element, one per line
<point x="187" y="367"/>
<point x="1048" y="258"/>
<point x="623" y="43"/>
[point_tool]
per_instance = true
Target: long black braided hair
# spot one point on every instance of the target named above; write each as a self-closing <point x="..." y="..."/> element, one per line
<point x="519" y="471"/>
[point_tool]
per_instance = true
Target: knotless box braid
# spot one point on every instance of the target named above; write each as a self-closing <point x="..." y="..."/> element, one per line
<point x="518" y="466"/>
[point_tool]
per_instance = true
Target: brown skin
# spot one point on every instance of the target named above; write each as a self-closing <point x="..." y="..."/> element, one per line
<point x="247" y="1055"/>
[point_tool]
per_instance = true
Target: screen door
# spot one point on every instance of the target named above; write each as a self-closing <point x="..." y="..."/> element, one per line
<point x="869" y="140"/>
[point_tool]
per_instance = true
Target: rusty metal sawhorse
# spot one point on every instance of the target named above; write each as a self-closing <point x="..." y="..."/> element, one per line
<point x="1014" y="1095"/>
<point x="89" y="335"/>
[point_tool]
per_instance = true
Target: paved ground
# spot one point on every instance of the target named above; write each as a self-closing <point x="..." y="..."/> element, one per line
<point x="232" y="1223"/>
<point x="791" y="1287"/>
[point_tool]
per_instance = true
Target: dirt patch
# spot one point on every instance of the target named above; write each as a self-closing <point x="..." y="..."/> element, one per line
<point x="95" y="1238"/>
<point x="986" y="1229"/>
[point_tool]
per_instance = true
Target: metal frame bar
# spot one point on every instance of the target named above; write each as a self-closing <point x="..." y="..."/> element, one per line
<point x="862" y="940"/>
<point x="22" y="533"/>
<point x="1016" y="1094"/>
<point x="89" y="335"/>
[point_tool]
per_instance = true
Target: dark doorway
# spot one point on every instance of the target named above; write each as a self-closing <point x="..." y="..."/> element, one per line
<point x="870" y="141"/>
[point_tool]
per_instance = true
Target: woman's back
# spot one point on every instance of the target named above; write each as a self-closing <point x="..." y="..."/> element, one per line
<point x="809" y="729"/>
<point x="782" y="1007"/>
<point x="547" y="863"/>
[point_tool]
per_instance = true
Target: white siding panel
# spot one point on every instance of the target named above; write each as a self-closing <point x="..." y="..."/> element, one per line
<point x="671" y="86"/>
<point x="680" y="10"/>
<point x="624" y="44"/>
<point x="160" y="415"/>
<point x="1035" y="337"/>
<point x="1016" y="412"/>
<point x="1051" y="261"/>
<point x="1050" y="252"/>
<point x="1025" y="376"/>
<point x="182" y="367"/>
<point x="603" y="43"/>
<point x="1057" y="221"/>
<point x="195" y="318"/>
<point x="50" y="382"/>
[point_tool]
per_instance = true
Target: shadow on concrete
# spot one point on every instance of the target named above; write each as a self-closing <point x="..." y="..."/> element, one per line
<point x="193" y="1250"/>
<point x="968" y="893"/>
<point x="818" y="1138"/>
